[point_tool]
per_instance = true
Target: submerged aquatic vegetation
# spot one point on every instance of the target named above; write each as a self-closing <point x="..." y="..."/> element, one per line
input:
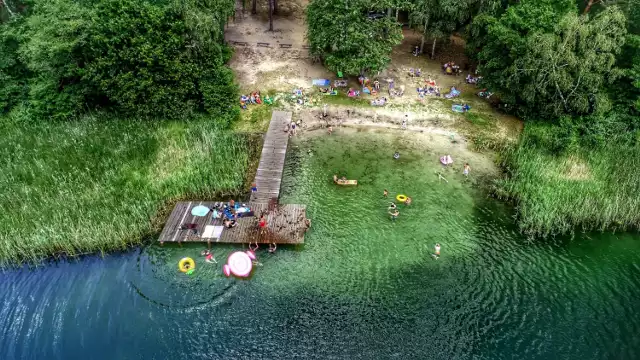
<point x="95" y="186"/>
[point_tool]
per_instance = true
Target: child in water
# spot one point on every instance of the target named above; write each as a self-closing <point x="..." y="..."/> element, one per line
<point x="208" y="257"/>
<point x="386" y="193"/>
<point x="466" y="169"/>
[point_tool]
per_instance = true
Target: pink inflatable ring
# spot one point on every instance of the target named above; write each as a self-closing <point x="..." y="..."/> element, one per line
<point x="239" y="264"/>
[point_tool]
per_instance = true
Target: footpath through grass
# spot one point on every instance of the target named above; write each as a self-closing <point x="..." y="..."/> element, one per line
<point x="95" y="186"/>
<point x="578" y="188"/>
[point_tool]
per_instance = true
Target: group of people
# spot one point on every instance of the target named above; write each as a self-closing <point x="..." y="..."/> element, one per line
<point x="230" y="212"/>
<point x="392" y="210"/>
<point x="292" y="128"/>
<point x="415" y="72"/>
<point x="472" y="79"/>
<point x="446" y="160"/>
<point x="451" y="68"/>
<point x="379" y="101"/>
<point x="253" y="99"/>
<point x="329" y="91"/>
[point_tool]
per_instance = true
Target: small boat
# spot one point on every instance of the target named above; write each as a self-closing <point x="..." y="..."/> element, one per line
<point x="347" y="182"/>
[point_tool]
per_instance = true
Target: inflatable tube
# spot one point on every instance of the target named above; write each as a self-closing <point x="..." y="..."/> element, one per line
<point x="186" y="265"/>
<point x="226" y="270"/>
<point x="401" y="198"/>
<point x="240" y="264"/>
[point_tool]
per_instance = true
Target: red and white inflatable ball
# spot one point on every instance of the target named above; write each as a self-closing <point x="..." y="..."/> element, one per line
<point x="239" y="263"/>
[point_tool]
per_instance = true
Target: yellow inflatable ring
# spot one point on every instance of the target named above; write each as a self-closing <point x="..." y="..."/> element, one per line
<point x="186" y="264"/>
<point x="401" y="198"/>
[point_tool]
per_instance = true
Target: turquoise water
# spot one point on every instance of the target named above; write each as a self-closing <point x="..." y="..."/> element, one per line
<point x="362" y="286"/>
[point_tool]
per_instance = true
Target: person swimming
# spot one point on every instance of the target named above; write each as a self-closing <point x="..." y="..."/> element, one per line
<point x="396" y="155"/>
<point x="408" y="201"/>
<point x="385" y="193"/>
<point x="392" y="206"/>
<point x="208" y="257"/>
<point x="438" y="249"/>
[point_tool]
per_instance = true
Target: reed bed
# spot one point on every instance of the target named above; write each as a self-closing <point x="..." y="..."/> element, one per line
<point x="97" y="186"/>
<point x="581" y="188"/>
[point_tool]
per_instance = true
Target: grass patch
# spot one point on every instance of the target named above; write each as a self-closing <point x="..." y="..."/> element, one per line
<point x="588" y="188"/>
<point x="96" y="186"/>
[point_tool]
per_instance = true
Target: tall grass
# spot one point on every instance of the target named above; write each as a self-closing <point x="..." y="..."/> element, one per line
<point x="577" y="188"/>
<point x="95" y="186"/>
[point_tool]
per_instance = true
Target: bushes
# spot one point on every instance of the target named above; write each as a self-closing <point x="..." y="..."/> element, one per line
<point x="137" y="58"/>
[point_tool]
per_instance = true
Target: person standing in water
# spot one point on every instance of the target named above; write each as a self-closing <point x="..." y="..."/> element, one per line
<point x="408" y="201"/>
<point x="437" y="249"/>
<point x="330" y="130"/>
<point x="466" y="170"/>
<point x="386" y="193"/>
<point x="394" y="214"/>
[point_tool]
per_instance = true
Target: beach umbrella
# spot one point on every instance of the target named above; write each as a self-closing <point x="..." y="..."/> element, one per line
<point x="200" y="210"/>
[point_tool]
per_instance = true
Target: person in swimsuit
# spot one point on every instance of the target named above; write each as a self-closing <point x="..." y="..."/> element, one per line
<point x="386" y="193"/>
<point x="392" y="206"/>
<point x="262" y="223"/>
<point x="208" y="257"/>
<point x="466" y="169"/>
<point x="293" y="128"/>
<point x="229" y="223"/>
<point x="394" y="214"/>
<point x="330" y="130"/>
<point x="408" y="201"/>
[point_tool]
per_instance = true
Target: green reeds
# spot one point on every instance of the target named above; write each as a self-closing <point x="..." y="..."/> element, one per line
<point x="581" y="188"/>
<point x="95" y="186"/>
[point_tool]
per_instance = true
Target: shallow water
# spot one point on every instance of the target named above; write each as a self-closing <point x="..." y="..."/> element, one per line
<point x="362" y="287"/>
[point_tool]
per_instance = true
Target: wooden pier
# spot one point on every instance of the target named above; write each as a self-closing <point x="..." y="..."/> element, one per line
<point x="269" y="174"/>
<point x="286" y="223"/>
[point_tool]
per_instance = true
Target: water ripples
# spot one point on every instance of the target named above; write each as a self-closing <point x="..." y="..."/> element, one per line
<point x="361" y="287"/>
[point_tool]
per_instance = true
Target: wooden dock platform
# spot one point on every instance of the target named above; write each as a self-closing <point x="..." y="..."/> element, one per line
<point x="286" y="224"/>
<point x="269" y="174"/>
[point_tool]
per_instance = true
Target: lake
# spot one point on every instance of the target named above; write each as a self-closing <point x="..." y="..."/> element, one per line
<point x="361" y="287"/>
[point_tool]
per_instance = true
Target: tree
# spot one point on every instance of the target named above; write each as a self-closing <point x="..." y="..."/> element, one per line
<point x="136" y="58"/>
<point x="556" y="62"/>
<point x="440" y="18"/>
<point x="342" y="34"/>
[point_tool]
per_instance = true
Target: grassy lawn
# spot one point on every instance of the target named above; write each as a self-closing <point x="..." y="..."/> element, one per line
<point x="100" y="185"/>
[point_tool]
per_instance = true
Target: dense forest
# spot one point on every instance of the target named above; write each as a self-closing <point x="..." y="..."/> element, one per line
<point x="148" y="59"/>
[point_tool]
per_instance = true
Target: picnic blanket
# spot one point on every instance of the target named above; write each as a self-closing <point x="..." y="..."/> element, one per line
<point x="321" y="82"/>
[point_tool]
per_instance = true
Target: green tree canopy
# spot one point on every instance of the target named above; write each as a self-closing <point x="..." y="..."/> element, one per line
<point x="142" y="58"/>
<point x="342" y="34"/>
<point x="545" y="58"/>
